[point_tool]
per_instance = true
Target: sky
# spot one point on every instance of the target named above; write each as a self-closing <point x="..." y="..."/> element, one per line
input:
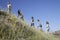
<point x="44" y="10"/>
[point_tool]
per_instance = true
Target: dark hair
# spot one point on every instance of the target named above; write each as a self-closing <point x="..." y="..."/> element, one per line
<point x="32" y="17"/>
<point x="38" y="20"/>
<point x="47" y="22"/>
<point x="19" y="12"/>
<point x="40" y="25"/>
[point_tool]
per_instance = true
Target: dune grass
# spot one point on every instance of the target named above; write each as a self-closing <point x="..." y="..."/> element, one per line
<point x="12" y="28"/>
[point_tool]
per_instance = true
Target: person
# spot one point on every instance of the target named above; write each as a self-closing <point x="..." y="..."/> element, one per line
<point x="47" y="26"/>
<point x="20" y="16"/>
<point x="9" y="7"/>
<point x="39" y="25"/>
<point x="32" y="21"/>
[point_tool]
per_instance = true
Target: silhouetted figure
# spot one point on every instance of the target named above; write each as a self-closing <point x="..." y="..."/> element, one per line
<point x="32" y="21"/>
<point x="20" y="16"/>
<point x="47" y="26"/>
<point x="9" y="7"/>
<point x="39" y="25"/>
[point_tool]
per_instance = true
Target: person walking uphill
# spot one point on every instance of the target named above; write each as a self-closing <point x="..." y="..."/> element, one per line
<point x="32" y="21"/>
<point x="47" y="26"/>
<point x="20" y="16"/>
<point x="9" y="7"/>
<point x="39" y="25"/>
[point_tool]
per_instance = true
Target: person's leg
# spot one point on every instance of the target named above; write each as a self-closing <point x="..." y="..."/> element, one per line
<point x="48" y="29"/>
<point x="31" y="24"/>
<point x="10" y="10"/>
<point x="22" y="18"/>
<point x="41" y="29"/>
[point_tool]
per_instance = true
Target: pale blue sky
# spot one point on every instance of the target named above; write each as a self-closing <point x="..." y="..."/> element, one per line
<point x="41" y="9"/>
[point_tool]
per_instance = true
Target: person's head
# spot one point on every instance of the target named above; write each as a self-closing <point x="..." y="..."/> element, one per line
<point x="38" y="20"/>
<point x="32" y="17"/>
<point x="8" y="2"/>
<point x="19" y="10"/>
<point x="47" y="22"/>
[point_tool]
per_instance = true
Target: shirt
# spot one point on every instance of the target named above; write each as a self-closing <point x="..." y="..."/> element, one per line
<point x="9" y="6"/>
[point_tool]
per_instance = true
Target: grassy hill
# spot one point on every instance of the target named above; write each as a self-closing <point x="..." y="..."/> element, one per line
<point x="57" y="34"/>
<point x="12" y="28"/>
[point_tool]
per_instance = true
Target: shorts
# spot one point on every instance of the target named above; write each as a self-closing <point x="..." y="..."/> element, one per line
<point x="32" y="24"/>
<point x="48" y="29"/>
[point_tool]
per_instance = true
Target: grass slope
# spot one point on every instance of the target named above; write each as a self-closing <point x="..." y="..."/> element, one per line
<point x="12" y="28"/>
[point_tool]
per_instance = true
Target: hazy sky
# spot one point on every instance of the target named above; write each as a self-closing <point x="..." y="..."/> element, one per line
<point x="45" y="10"/>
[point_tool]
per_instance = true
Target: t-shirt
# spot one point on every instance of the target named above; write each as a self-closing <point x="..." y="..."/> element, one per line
<point x="32" y="20"/>
<point x="9" y="6"/>
<point x="47" y="25"/>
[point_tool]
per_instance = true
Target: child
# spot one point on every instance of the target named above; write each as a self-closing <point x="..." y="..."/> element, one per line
<point x="9" y="7"/>
<point x="32" y="21"/>
<point x="39" y="25"/>
<point x="20" y="15"/>
<point x="47" y="26"/>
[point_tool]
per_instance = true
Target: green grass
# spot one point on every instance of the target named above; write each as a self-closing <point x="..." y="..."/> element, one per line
<point x="12" y="28"/>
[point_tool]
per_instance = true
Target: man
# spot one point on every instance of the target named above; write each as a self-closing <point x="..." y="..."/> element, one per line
<point x="39" y="25"/>
<point x="9" y="7"/>
<point x="47" y="26"/>
<point x="20" y="15"/>
<point x="32" y="21"/>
